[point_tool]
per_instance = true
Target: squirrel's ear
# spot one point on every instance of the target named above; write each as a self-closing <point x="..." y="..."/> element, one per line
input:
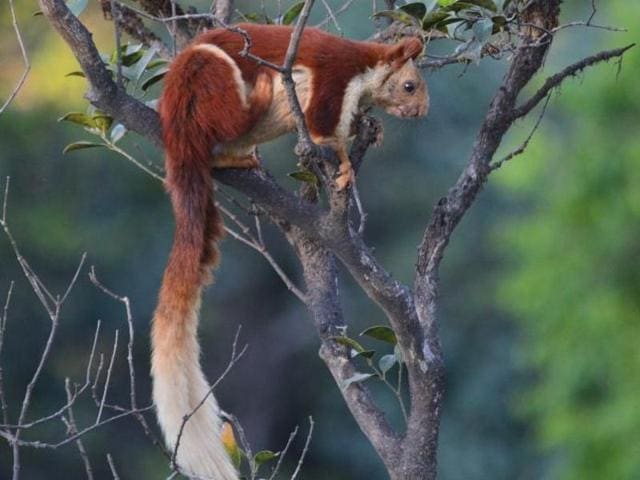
<point x="407" y="49"/>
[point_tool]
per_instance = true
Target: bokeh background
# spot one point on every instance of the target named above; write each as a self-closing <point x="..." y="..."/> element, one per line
<point x="540" y="313"/>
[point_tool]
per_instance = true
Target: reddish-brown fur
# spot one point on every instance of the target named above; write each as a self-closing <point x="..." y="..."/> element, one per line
<point x="202" y="107"/>
<point x="337" y="60"/>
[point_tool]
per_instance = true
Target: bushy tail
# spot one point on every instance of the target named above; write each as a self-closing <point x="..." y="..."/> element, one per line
<point x="204" y="103"/>
<point x="179" y="385"/>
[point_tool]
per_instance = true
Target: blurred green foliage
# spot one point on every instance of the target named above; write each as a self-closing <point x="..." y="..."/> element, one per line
<point x="574" y="283"/>
<point x="557" y="241"/>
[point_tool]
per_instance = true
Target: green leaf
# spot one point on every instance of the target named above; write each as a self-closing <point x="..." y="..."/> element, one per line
<point x="397" y="15"/>
<point x="431" y="19"/>
<point x="258" y="18"/>
<point x="157" y="63"/>
<point x="37" y="13"/>
<point x="368" y="354"/>
<point x="381" y="332"/>
<point x="387" y="362"/>
<point x="77" y="73"/>
<point x="142" y="65"/>
<point x="129" y="54"/>
<point x="358" y="377"/>
<point x="446" y="3"/>
<point x="155" y="78"/>
<point x="78" y="118"/>
<point x="117" y="133"/>
<point x="77" y="6"/>
<point x="81" y="146"/>
<point x="459" y="6"/>
<point x="236" y="457"/>
<point x="306" y="176"/>
<point x="488" y="4"/>
<point x="128" y="60"/>
<point x="499" y="23"/>
<point x="416" y="9"/>
<point x="349" y="342"/>
<point x="291" y="14"/>
<point x="449" y="21"/>
<point x="265" y="456"/>
<point x="103" y="121"/>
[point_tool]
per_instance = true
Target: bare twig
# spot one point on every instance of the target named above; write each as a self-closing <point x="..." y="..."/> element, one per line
<point x="287" y="75"/>
<point x="283" y="453"/>
<point x="222" y="10"/>
<point x="77" y="393"/>
<point x="52" y="305"/>
<point x="25" y="59"/>
<point x="3" y="327"/>
<point x="331" y="16"/>
<point x="73" y="438"/>
<point x="107" y="380"/>
<point x="131" y="332"/>
<point x="112" y="467"/>
<point x="125" y="301"/>
<point x="570" y="71"/>
<point x="345" y="6"/>
<point x="73" y="429"/>
<point x="590" y="25"/>
<point x="5" y="200"/>
<point x="112" y="146"/>
<point x="258" y="245"/>
<point x="304" y="450"/>
<point x="518" y="151"/>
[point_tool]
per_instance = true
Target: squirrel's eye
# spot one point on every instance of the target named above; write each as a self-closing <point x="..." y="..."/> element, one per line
<point x="409" y="87"/>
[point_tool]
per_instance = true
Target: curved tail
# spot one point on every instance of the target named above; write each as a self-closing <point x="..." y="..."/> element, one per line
<point x="179" y="384"/>
<point x="204" y="103"/>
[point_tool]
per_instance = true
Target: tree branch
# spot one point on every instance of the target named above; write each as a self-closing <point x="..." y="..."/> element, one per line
<point x="320" y="273"/>
<point x="570" y="71"/>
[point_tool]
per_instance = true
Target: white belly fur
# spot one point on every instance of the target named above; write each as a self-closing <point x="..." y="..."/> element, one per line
<point x="278" y="120"/>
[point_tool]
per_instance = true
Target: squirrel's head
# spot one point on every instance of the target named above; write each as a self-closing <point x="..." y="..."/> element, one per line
<point x="403" y="93"/>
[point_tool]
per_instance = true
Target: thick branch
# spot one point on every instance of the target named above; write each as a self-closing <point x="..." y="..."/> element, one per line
<point x="320" y="273"/>
<point x="417" y="448"/>
<point x="449" y="211"/>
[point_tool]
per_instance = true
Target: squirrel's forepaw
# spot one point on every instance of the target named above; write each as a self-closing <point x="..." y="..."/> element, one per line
<point x="345" y="177"/>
